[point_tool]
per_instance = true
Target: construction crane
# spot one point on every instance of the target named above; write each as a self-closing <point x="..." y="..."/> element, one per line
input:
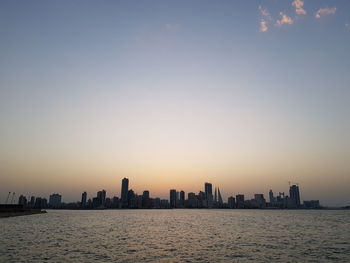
<point x="7" y="199"/>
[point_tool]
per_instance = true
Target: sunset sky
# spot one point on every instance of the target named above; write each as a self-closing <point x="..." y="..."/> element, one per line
<point x="247" y="95"/>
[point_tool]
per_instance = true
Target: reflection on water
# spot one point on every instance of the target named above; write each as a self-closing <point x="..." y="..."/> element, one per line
<point x="177" y="236"/>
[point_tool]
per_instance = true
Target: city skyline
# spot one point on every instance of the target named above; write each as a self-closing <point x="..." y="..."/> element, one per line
<point x="247" y="95"/>
<point x="129" y="199"/>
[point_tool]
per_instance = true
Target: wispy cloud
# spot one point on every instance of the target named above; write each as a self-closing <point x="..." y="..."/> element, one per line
<point x="325" y="11"/>
<point x="284" y="20"/>
<point x="299" y="9"/>
<point x="265" y="18"/>
<point x="263" y="26"/>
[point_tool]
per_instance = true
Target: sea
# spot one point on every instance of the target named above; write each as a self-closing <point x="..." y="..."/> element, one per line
<point x="177" y="235"/>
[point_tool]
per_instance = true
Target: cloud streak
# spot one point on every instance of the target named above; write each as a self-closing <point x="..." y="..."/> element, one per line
<point x="265" y="18"/>
<point x="298" y="4"/>
<point x="263" y="26"/>
<point x="325" y="11"/>
<point x="284" y="20"/>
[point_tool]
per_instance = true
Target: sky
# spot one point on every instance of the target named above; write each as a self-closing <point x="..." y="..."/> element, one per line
<point x="247" y="95"/>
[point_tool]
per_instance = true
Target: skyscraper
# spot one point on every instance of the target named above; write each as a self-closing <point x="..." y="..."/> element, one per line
<point x="83" y="199"/>
<point x="294" y="195"/>
<point x="101" y="195"/>
<point x="124" y="192"/>
<point x="220" y="202"/>
<point x="271" y="197"/>
<point x="182" y="199"/>
<point x="209" y="194"/>
<point x="240" y="201"/>
<point x="172" y="198"/>
<point x="55" y="200"/>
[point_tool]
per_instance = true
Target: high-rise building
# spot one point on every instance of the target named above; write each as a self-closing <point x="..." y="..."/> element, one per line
<point x="192" y="200"/>
<point x="231" y="202"/>
<point x="172" y="198"/>
<point x="55" y="200"/>
<point x="182" y="199"/>
<point x="240" y="201"/>
<point x="294" y="195"/>
<point x="145" y="200"/>
<point x="131" y="199"/>
<point x="101" y="195"/>
<point x="124" y="193"/>
<point x="260" y="200"/>
<point x="208" y="188"/>
<point x="271" y="197"/>
<point x="220" y="202"/>
<point x="22" y="200"/>
<point x="83" y="199"/>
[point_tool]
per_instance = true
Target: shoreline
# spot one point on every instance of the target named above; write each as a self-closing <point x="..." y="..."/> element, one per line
<point x="20" y="213"/>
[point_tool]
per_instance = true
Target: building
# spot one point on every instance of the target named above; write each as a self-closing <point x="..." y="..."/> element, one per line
<point x="172" y="198"/>
<point x="131" y="199"/>
<point x="231" y="202"/>
<point x="146" y="201"/>
<point x="101" y="195"/>
<point x="260" y="201"/>
<point x="208" y="189"/>
<point x="240" y="201"/>
<point x="192" y="200"/>
<point x="22" y="200"/>
<point x="83" y="199"/>
<point x="294" y="196"/>
<point x="124" y="193"/>
<point x="55" y="200"/>
<point x="312" y="204"/>
<point x="272" y="198"/>
<point x="220" y="202"/>
<point x="182" y="199"/>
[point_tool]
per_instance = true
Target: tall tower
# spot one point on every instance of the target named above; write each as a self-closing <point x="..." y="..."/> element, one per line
<point x="271" y="197"/>
<point x="83" y="199"/>
<point x="209" y="194"/>
<point x="172" y="198"/>
<point x="220" y="198"/>
<point x="215" y="196"/>
<point x="124" y="193"/>
<point x="294" y="195"/>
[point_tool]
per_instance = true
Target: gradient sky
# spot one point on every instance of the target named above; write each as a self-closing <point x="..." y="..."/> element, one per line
<point x="247" y="95"/>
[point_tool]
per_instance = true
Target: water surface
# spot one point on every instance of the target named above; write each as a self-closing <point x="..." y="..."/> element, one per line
<point x="177" y="236"/>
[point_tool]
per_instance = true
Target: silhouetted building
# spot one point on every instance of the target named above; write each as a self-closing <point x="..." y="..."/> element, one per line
<point x="32" y="201"/>
<point x="101" y="195"/>
<point x="55" y="201"/>
<point x="22" y="200"/>
<point x="220" y="202"/>
<point x="40" y="203"/>
<point x="192" y="200"/>
<point x="312" y="204"/>
<point x="231" y="201"/>
<point x="146" y="201"/>
<point x="155" y="203"/>
<point x="131" y="199"/>
<point x="271" y="197"/>
<point x="182" y="199"/>
<point x="294" y="196"/>
<point x="240" y="201"/>
<point x="208" y="194"/>
<point x="83" y="199"/>
<point x="172" y="198"/>
<point x="260" y="201"/>
<point x="115" y="202"/>
<point x="124" y="193"/>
